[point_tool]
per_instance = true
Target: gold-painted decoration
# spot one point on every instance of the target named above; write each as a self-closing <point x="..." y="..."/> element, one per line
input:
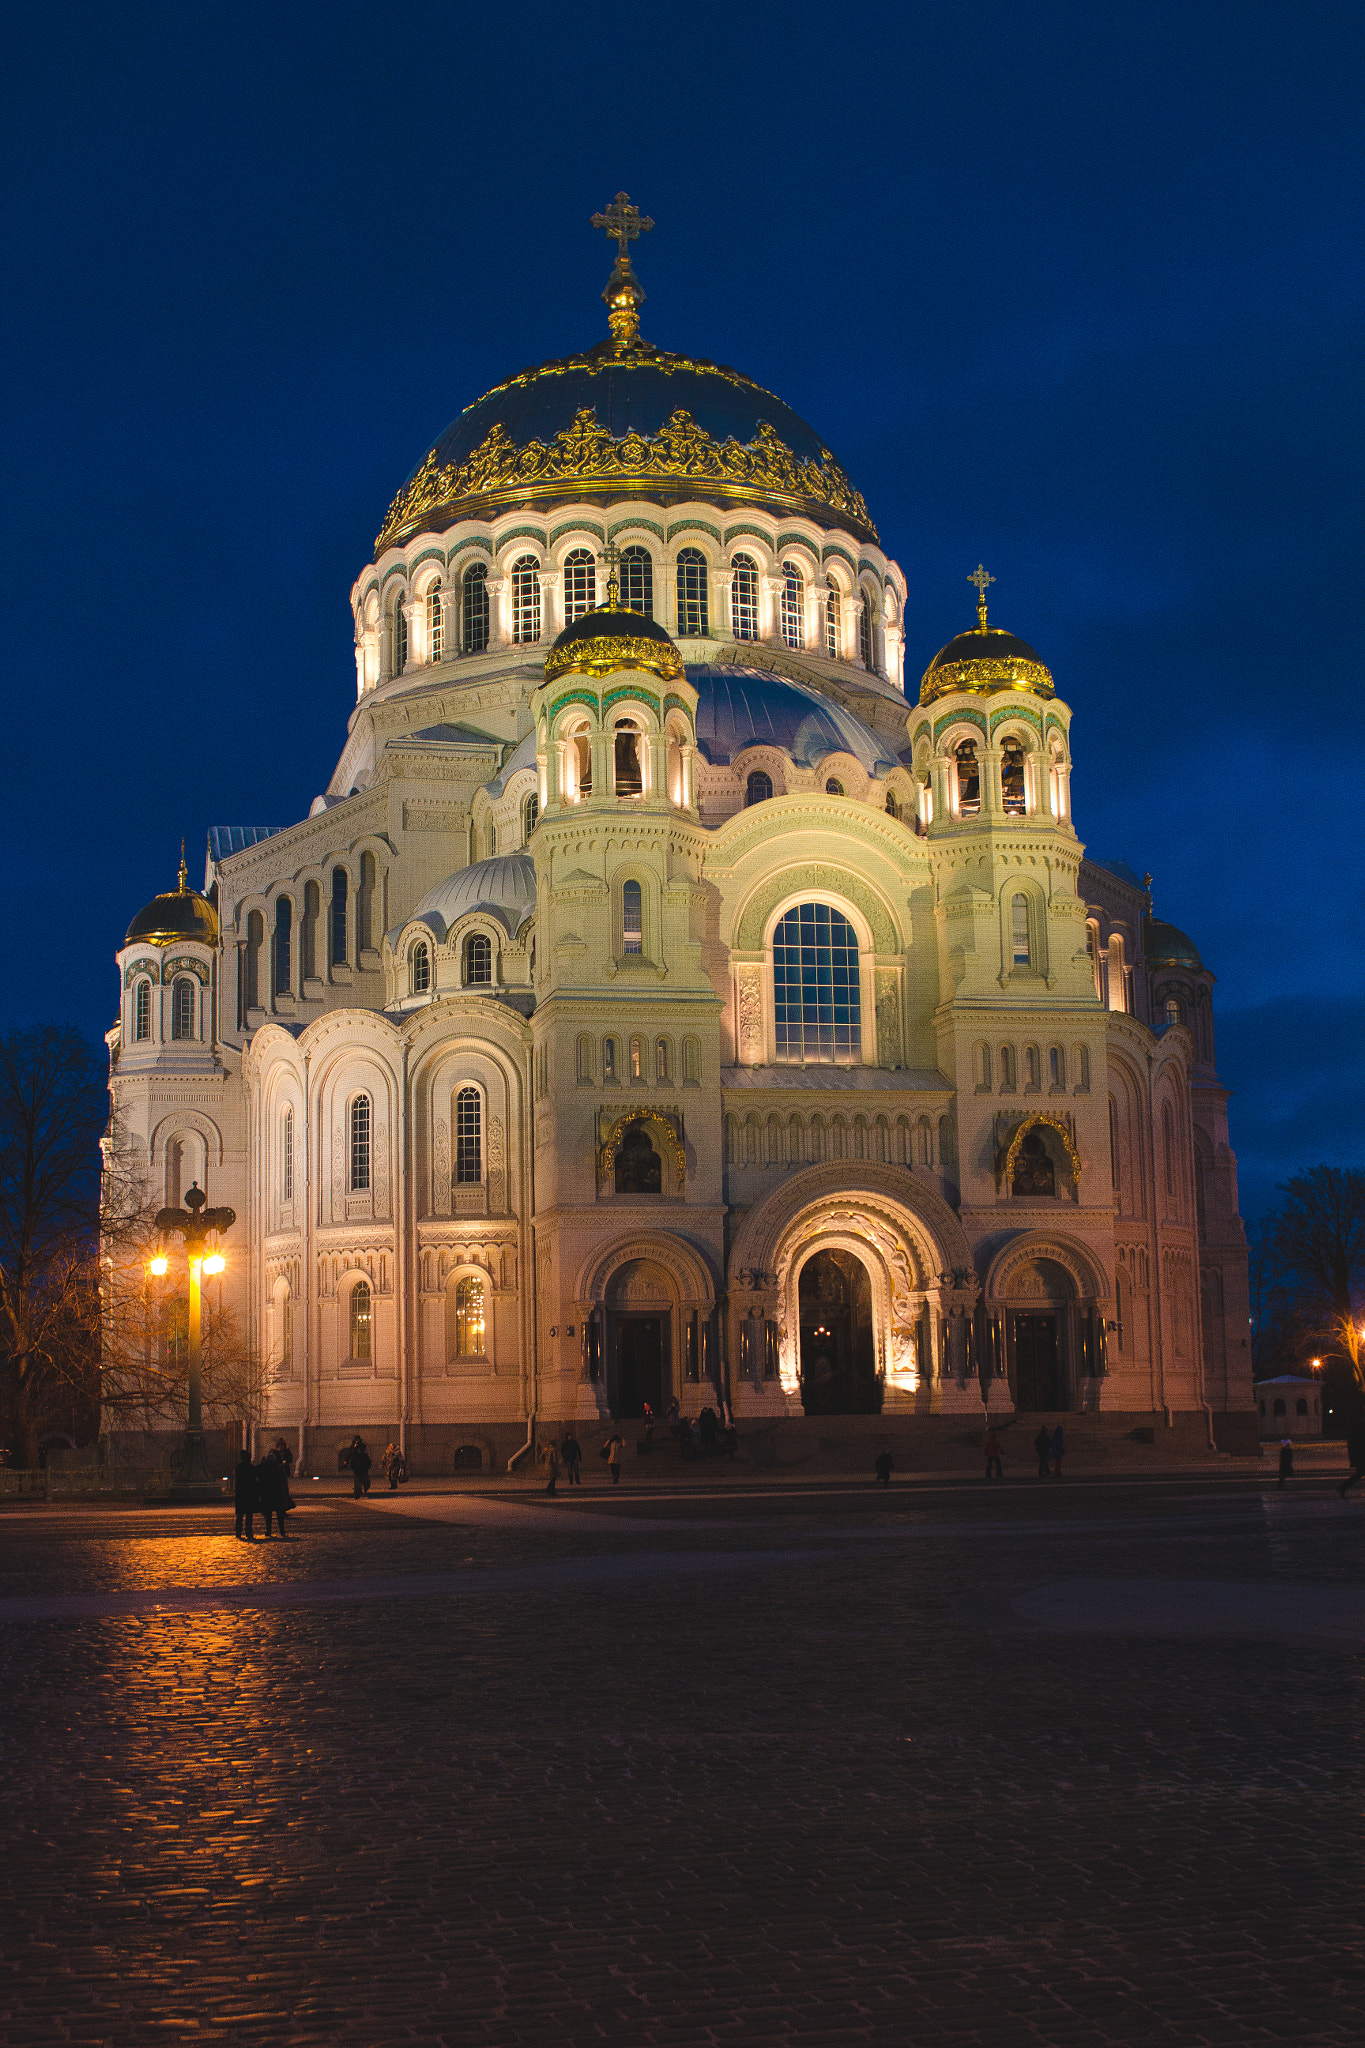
<point x="586" y="455"/>
<point x="606" y="652"/>
<point x="1004" y="1171"/>
<point x="625" y="224"/>
<point x="666" y="1127"/>
<point x="983" y="675"/>
<point x="982" y="578"/>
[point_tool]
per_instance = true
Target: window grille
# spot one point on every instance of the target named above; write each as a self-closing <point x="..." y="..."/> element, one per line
<point x="580" y="585"/>
<point x="284" y="922"/>
<point x="744" y="598"/>
<point x="400" y="637"/>
<point x="637" y="581"/>
<point x="360" y="1144"/>
<point x="693" y="615"/>
<point x="361" y="1322"/>
<point x="436" y="638"/>
<point x="530" y="812"/>
<point x="339" y="893"/>
<point x="793" y="606"/>
<point x="818" y="998"/>
<point x="182" y="1009"/>
<point x="1019" y="931"/>
<point x="832" y="625"/>
<point x="865" y="634"/>
<point x="142" y="1010"/>
<point x="287" y="1158"/>
<point x="468" y="1138"/>
<point x="470" y="1321"/>
<point x="421" y="968"/>
<point x="526" y="600"/>
<point x="475" y="623"/>
<point x="478" y="961"/>
<point x="759" y="788"/>
<point x="632" y="917"/>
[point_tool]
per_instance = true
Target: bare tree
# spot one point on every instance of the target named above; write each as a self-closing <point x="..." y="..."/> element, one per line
<point x="1316" y="1245"/>
<point x="53" y="1107"/>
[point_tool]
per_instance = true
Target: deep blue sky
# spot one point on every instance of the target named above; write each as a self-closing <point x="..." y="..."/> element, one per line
<point x="1073" y="290"/>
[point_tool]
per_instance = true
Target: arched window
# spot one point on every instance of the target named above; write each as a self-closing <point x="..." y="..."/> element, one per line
<point x="1020" y="953"/>
<point x="793" y="606"/>
<point x="436" y="638"/>
<point x="340" y="888"/>
<point x="832" y="625"/>
<point x="585" y="1051"/>
<point x="865" y="633"/>
<point x="608" y="1059"/>
<point x="639" y="1169"/>
<point x="693" y="612"/>
<point x="478" y="961"/>
<point x="636" y="1061"/>
<point x="525" y="600"/>
<point x="361" y="1323"/>
<point x="255" y="940"/>
<point x="629" y="776"/>
<point x="1007" y="1070"/>
<point x="360" y="1144"/>
<point x="692" y="1059"/>
<point x="817" y="996"/>
<point x="1168" y="1146"/>
<point x="759" y="788"/>
<point x="1113" y="1145"/>
<point x="834" y="787"/>
<point x="1012" y="778"/>
<point x="661" y="1059"/>
<point x="632" y="918"/>
<point x="308" y="933"/>
<point x="1300" y="1406"/>
<point x="470" y="1321"/>
<point x="284" y="921"/>
<point x="1033" y="1075"/>
<point x="637" y="581"/>
<point x="287" y="1158"/>
<point x="530" y="812"/>
<point x="580" y="585"/>
<point x="475" y="622"/>
<point x="744" y="598"/>
<point x="1034" y="1173"/>
<point x="468" y="1138"/>
<point x="421" y="968"/>
<point x="1277" y="1408"/>
<point x="182" y="1008"/>
<point x="400" y="636"/>
<point x="968" y="780"/>
<point x="1172" y="1010"/>
<point x="893" y="809"/>
<point x="142" y="1010"/>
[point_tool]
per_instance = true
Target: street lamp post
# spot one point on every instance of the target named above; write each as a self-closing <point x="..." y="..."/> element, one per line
<point x="194" y="1223"/>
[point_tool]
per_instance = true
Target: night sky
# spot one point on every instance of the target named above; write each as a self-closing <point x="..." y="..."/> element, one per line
<point x="1075" y="291"/>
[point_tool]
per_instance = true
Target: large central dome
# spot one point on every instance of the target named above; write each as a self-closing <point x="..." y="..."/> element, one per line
<point x="625" y="420"/>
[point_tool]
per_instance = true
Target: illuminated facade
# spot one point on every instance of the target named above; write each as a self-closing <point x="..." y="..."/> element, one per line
<point x="662" y="1002"/>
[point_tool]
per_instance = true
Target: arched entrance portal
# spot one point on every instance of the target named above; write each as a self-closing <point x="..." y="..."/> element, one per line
<point x="639" y="1322"/>
<point x="1038" y="1299"/>
<point x="838" y="1350"/>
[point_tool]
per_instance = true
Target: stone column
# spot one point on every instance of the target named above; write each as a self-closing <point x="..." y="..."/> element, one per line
<point x="770" y="589"/>
<point x="722" y="604"/>
<point x="411" y="609"/>
<point x="992" y="788"/>
<point x="499" y="625"/>
<point x="850" y="628"/>
<point x="816" y="595"/>
<point x="657" y="783"/>
<point x="892" y="638"/>
<point x="552" y="620"/>
<point x="450" y="621"/>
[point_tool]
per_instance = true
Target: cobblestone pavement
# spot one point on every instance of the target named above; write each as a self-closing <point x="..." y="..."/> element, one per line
<point x="1033" y="1764"/>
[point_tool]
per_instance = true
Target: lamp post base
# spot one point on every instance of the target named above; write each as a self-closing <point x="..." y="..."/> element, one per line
<point x="194" y="1481"/>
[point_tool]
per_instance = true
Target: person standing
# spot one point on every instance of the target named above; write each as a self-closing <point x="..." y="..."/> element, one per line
<point x="395" y="1467"/>
<point x="995" y="1464"/>
<point x="1355" y="1452"/>
<point x="571" y="1451"/>
<point x="883" y="1469"/>
<point x="1042" y="1444"/>
<point x="244" y="1494"/>
<point x="1286" y="1459"/>
<point x="361" y="1462"/>
<point x="1058" y="1451"/>
<point x="550" y="1453"/>
<point x="273" y="1491"/>
<point x="286" y="1458"/>
<point x="616" y="1443"/>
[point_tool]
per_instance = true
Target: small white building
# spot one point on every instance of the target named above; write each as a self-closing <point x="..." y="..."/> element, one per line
<point x="1289" y="1405"/>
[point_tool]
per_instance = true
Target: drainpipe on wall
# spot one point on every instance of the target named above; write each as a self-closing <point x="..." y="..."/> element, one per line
<point x="529" y="1378"/>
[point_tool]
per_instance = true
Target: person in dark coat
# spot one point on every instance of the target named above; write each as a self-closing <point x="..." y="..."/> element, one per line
<point x="273" y="1490"/>
<point x="360" y="1466"/>
<point x="710" y="1429"/>
<point x="995" y="1463"/>
<point x="1286" y="1459"/>
<point x="286" y="1458"/>
<point x="883" y="1468"/>
<point x="244" y="1495"/>
<point x="1042" y="1444"/>
<point x="1058" y="1451"/>
<point x="571" y="1451"/>
<point x="1355" y="1453"/>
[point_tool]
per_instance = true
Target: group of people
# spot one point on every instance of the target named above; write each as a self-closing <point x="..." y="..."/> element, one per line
<point x="263" y="1488"/>
<point x="704" y="1436"/>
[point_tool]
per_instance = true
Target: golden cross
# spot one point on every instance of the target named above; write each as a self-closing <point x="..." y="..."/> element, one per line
<point x="611" y="555"/>
<point x="981" y="578"/>
<point x="624" y="223"/>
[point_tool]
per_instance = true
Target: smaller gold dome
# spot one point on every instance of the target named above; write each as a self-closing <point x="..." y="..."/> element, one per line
<point x="178" y="915"/>
<point x="612" y="637"/>
<point x="985" y="661"/>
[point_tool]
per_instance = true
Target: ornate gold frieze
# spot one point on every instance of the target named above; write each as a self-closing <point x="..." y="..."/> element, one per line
<point x="607" y="652"/>
<point x="586" y="454"/>
<point x="1006" y="1155"/>
<point x="984" y="677"/>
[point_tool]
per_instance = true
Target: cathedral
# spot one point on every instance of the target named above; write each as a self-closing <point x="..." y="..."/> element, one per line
<point x="666" y="1001"/>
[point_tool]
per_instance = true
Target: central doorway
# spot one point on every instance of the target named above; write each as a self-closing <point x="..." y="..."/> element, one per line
<point x="1036" y="1363"/>
<point x="838" y="1355"/>
<point x="639" y="1365"/>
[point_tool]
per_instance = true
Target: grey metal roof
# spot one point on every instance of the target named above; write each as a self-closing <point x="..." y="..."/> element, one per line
<point x="225" y="840"/>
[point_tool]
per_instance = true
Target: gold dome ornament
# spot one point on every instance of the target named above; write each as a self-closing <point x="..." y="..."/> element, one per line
<point x="987" y="661"/>
<point x="624" y="224"/>
<point x="181" y="913"/>
<point x="612" y="636"/>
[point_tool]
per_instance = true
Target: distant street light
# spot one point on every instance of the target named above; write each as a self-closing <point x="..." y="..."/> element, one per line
<point x="194" y="1223"/>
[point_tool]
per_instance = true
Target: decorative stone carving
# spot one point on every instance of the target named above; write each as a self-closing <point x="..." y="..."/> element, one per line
<point x="888" y="1021"/>
<point x="381" y="1169"/>
<point x="497" y="1167"/>
<point x="440" y="1168"/>
<point x="338" y="1170"/>
<point x="750" y="1016"/>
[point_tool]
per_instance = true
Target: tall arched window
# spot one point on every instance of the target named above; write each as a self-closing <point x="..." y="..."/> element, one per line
<point x="360" y="1144"/>
<point x="832" y="625"/>
<point x="400" y="637"/>
<point x="284" y="931"/>
<point x="340" y="891"/>
<point x="421" y="968"/>
<point x="1168" y="1146"/>
<point x="142" y="1010"/>
<point x="255" y="941"/>
<point x="436" y="638"/>
<point x="968" y="780"/>
<point x="475" y="608"/>
<point x="632" y="918"/>
<point x="793" y="606"/>
<point x="287" y="1158"/>
<point x="629" y="770"/>
<point x="182" y="1008"/>
<point x="468" y="1138"/>
<point x="361" y="1323"/>
<point x="637" y="581"/>
<point x="1113" y="1144"/>
<point x="526" y="600"/>
<point x="865" y="633"/>
<point x="816" y="990"/>
<point x="530" y="812"/>
<point x="580" y="584"/>
<point x="478" y="961"/>
<point x="744" y="598"/>
<point x="893" y="809"/>
<point x="693" y="611"/>
<point x="759" y="788"/>
<point x="470" y="1321"/>
<point x="1020" y="953"/>
<point x="1012" y="778"/>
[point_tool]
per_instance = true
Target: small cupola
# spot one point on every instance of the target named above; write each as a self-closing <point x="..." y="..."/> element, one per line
<point x="181" y="914"/>
<point x="611" y="637"/>
<point x="985" y="661"/>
